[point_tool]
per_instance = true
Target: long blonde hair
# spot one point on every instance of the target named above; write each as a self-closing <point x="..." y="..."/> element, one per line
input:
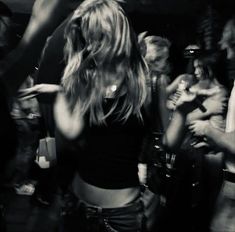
<point x="100" y="45"/>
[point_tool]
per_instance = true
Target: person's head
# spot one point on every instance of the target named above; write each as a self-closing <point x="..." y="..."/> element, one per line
<point x="203" y="67"/>
<point x="227" y="41"/>
<point x="102" y="49"/>
<point x="156" y="53"/>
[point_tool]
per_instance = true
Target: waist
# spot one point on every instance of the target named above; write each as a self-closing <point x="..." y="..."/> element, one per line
<point x="106" y="198"/>
<point x="90" y="209"/>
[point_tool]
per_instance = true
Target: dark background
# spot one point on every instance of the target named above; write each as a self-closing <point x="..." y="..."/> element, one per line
<point x="178" y="20"/>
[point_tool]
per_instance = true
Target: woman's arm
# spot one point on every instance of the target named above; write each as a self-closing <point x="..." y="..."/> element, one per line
<point x="69" y="124"/>
<point x="37" y="90"/>
<point x="175" y="132"/>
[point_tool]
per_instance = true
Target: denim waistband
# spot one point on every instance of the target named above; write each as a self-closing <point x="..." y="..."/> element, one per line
<point x="97" y="210"/>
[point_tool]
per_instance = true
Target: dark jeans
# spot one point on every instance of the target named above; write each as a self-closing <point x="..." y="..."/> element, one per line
<point x="88" y="218"/>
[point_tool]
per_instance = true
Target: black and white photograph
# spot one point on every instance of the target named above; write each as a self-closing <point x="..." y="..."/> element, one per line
<point x="117" y="115"/>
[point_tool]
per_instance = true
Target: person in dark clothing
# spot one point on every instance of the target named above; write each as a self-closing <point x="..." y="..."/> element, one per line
<point x="19" y="63"/>
<point x="100" y="117"/>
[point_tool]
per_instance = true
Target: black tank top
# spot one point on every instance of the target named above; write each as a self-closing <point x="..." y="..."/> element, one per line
<point x="109" y="153"/>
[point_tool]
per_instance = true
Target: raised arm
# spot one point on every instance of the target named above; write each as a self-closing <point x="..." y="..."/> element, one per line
<point x="46" y="16"/>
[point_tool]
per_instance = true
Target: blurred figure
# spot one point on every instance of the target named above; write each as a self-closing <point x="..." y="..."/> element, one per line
<point x="190" y="149"/>
<point x="26" y="115"/>
<point x="18" y="64"/>
<point x="155" y="50"/>
<point x="222" y="218"/>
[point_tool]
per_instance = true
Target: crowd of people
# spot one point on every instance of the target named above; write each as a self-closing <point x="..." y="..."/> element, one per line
<point x="82" y="87"/>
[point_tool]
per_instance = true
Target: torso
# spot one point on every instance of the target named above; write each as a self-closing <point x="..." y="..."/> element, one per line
<point x="106" y="198"/>
<point x="118" y="146"/>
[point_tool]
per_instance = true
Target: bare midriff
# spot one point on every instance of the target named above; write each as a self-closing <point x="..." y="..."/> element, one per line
<point x="105" y="198"/>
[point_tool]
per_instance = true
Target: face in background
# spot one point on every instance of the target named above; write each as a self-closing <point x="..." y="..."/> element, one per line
<point x="227" y="41"/>
<point x="199" y="70"/>
<point x="157" y="57"/>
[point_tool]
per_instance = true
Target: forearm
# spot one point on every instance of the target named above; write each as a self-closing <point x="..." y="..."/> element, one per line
<point x="173" y="85"/>
<point x="175" y="132"/>
<point x="225" y="141"/>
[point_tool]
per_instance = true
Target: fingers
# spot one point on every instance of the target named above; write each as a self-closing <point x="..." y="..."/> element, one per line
<point x="27" y="93"/>
<point x="191" y="127"/>
<point x="141" y="36"/>
<point x="198" y="127"/>
<point x="30" y="96"/>
<point x="201" y="144"/>
<point x="194" y="124"/>
<point x="38" y="89"/>
<point x="186" y="97"/>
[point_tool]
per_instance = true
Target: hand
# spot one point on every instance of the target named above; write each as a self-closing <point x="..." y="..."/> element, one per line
<point x="42" y="162"/>
<point x="45" y="11"/>
<point x="198" y="143"/>
<point x="198" y="127"/>
<point x="46" y="16"/>
<point x="215" y="106"/>
<point x="185" y="102"/>
<point x="171" y="102"/>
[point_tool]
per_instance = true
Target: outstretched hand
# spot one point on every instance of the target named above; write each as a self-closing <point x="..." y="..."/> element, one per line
<point x="37" y="90"/>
